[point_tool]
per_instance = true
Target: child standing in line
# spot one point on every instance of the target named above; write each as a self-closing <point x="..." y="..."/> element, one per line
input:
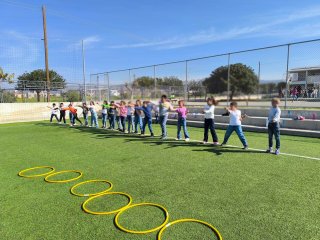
<point x="54" y="112"/>
<point x="112" y="115"/>
<point x="85" y="113"/>
<point x="73" y="111"/>
<point x="104" y="113"/>
<point x="209" y="121"/>
<point x="164" y="108"/>
<point x="274" y="125"/>
<point x="94" y="115"/>
<point x="117" y="119"/>
<point x="62" y="114"/>
<point x="71" y="116"/>
<point x="130" y="112"/>
<point x="182" y="121"/>
<point x="123" y="111"/>
<point x="137" y="117"/>
<point x="235" y="125"/>
<point x="147" y="110"/>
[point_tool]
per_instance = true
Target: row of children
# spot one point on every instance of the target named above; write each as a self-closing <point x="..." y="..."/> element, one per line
<point x="132" y="113"/>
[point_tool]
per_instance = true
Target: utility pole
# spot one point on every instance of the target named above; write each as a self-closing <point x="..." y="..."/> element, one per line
<point x="45" y="39"/>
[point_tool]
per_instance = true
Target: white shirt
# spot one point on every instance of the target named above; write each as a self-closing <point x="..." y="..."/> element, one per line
<point x="54" y="110"/>
<point x="209" y="112"/>
<point x="235" y="117"/>
<point x="274" y="115"/>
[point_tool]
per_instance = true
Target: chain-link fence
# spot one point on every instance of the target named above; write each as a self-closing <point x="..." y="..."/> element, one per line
<point x="289" y="71"/>
<point x="252" y="77"/>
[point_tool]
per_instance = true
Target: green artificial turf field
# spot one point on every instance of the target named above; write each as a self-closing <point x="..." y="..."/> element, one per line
<point x="247" y="195"/>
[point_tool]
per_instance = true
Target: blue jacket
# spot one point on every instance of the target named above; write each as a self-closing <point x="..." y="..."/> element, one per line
<point x="146" y="110"/>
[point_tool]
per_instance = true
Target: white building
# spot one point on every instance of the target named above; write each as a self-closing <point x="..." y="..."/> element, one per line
<point x="305" y="77"/>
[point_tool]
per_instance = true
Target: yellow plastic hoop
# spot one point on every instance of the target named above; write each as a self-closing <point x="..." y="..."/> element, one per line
<point x="21" y="173"/>
<point x="63" y="181"/>
<point x="216" y="232"/>
<point x="145" y="231"/>
<point x="72" y="190"/>
<point x="103" y="194"/>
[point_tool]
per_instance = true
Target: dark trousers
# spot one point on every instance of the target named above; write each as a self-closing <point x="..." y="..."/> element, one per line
<point x="52" y="116"/>
<point x="75" y="117"/>
<point x="209" y="124"/>
<point x="62" y="117"/>
<point x="274" y="129"/>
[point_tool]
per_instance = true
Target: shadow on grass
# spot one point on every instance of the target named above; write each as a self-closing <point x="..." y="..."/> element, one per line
<point x="100" y="133"/>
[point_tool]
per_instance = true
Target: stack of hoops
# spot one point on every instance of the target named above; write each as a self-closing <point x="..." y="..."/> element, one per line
<point x="92" y="196"/>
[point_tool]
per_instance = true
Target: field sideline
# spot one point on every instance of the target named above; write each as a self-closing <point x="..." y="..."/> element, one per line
<point x="247" y="195"/>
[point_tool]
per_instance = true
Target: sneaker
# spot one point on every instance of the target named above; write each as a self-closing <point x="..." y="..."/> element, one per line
<point x="245" y="148"/>
<point x="178" y="139"/>
<point x="187" y="139"/>
<point x="223" y="144"/>
<point x="152" y="135"/>
<point x="216" y="143"/>
<point x="269" y="150"/>
<point x="204" y="142"/>
<point x="277" y="152"/>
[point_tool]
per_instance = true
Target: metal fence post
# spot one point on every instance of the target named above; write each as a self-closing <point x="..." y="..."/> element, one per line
<point x="99" y="91"/>
<point x="287" y="77"/>
<point x="108" y="86"/>
<point x="186" y="83"/>
<point x="155" y="81"/>
<point x="228" y="83"/>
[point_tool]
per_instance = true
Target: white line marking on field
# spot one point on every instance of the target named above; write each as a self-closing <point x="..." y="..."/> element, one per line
<point x="262" y="150"/>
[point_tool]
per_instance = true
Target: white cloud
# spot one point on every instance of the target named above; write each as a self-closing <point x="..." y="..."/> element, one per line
<point x="274" y="25"/>
<point x="87" y="41"/>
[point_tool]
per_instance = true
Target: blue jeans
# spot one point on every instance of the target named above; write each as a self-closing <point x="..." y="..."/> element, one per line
<point x="123" y="123"/>
<point x="112" y="119"/>
<point x="118" y="122"/>
<point x="94" y="120"/>
<point x="146" y="121"/>
<point x="104" y="120"/>
<point x="163" y="124"/>
<point x="137" y="120"/>
<point x="130" y="123"/>
<point x="71" y="118"/>
<point x="238" y="130"/>
<point x="182" y="122"/>
<point x="274" y="129"/>
<point x="85" y="117"/>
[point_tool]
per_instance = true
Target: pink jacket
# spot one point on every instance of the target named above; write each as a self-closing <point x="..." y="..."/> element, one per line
<point x="123" y="110"/>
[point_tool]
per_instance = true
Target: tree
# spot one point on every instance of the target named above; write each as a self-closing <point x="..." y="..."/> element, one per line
<point x="170" y="82"/>
<point x="242" y="80"/>
<point x="8" y="97"/>
<point x="5" y="77"/>
<point x="72" y="96"/>
<point x="142" y="83"/>
<point x="36" y="81"/>
<point x="195" y="88"/>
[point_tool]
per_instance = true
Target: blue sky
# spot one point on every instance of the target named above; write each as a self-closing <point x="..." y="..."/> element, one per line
<point x="125" y="33"/>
